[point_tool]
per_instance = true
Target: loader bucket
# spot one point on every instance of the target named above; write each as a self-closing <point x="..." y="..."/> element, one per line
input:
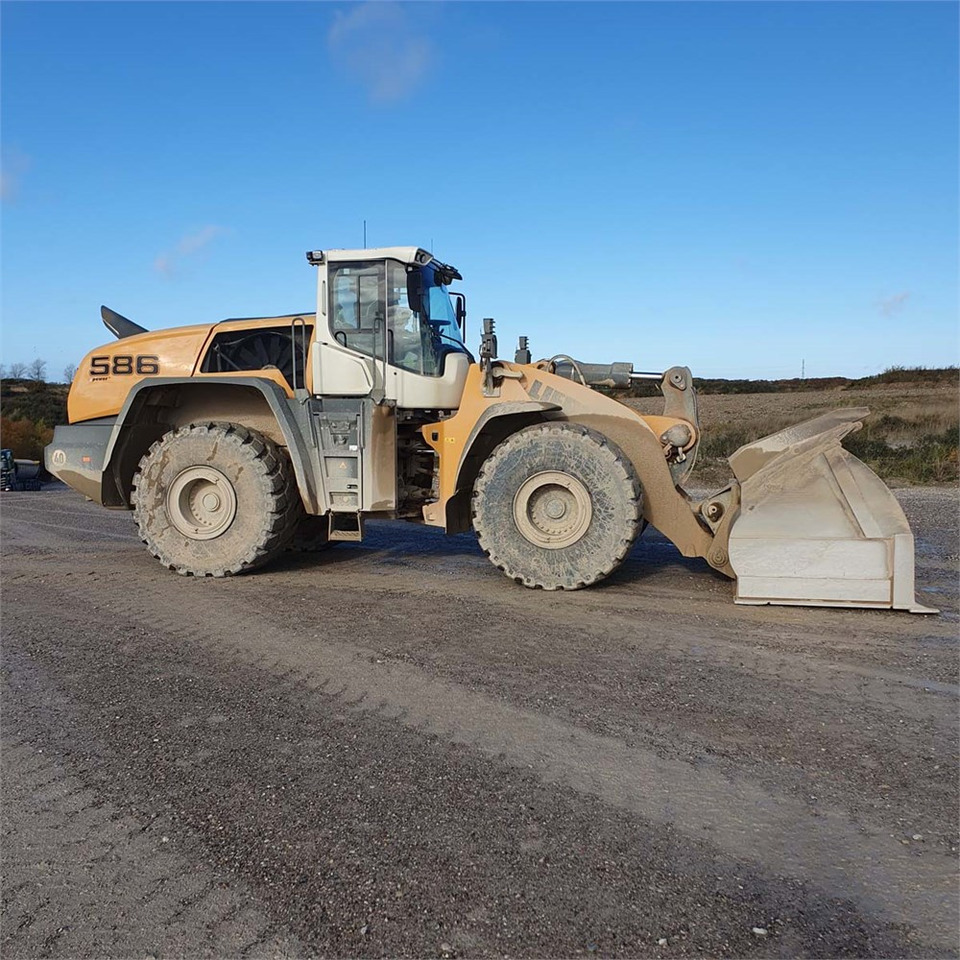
<point x="817" y="527"/>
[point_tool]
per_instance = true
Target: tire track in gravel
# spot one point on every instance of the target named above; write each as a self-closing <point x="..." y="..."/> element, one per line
<point x="259" y="630"/>
<point x="782" y="716"/>
<point x="905" y="885"/>
<point x="84" y="878"/>
<point x="368" y="838"/>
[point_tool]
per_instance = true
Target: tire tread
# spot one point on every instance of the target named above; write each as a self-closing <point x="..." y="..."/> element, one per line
<point x="621" y="470"/>
<point x="276" y="477"/>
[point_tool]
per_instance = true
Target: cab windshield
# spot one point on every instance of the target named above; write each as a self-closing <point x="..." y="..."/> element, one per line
<point x="421" y="322"/>
<point x="421" y="319"/>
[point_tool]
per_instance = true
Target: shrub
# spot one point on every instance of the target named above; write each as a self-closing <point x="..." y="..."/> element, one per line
<point x="25" y="437"/>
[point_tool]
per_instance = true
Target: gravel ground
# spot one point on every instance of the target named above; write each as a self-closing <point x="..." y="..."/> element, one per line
<point x="390" y="750"/>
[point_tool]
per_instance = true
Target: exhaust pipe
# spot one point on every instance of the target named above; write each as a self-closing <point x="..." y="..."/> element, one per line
<point x="119" y="325"/>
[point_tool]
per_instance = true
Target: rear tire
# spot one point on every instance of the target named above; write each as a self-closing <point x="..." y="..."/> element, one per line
<point x="215" y="499"/>
<point x="557" y="506"/>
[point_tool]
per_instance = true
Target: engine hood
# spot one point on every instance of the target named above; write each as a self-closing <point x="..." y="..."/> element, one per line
<point x="107" y="372"/>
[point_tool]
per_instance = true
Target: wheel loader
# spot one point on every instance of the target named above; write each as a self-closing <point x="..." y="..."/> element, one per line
<point x="232" y="441"/>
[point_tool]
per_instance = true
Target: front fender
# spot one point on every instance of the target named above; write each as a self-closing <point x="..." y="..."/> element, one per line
<point x="463" y="443"/>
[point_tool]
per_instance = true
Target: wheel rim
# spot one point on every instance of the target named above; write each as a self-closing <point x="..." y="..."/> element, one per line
<point x="201" y="503"/>
<point x="552" y="509"/>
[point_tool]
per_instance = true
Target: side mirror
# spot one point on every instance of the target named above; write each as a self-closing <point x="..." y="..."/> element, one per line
<point x="461" y="311"/>
<point x="415" y="291"/>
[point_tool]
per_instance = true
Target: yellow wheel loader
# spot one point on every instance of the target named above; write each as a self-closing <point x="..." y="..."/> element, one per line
<point x="232" y="441"/>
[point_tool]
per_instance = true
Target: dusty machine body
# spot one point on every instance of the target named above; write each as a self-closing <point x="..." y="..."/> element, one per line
<point x="232" y="440"/>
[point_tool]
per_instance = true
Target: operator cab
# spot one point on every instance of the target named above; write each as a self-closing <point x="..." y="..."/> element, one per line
<point x="389" y="328"/>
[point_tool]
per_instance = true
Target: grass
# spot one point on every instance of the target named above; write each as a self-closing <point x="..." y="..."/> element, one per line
<point x="911" y="436"/>
<point x="897" y="374"/>
<point x="925" y="458"/>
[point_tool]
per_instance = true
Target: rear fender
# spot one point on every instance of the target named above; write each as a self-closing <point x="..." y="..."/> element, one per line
<point x="156" y="406"/>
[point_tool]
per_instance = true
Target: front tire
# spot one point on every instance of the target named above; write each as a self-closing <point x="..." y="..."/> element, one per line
<point x="557" y="506"/>
<point x="215" y="499"/>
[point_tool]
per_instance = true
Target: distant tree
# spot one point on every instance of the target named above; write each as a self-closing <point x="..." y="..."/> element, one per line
<point x="3" y="371"/>
<point x="17" y="370"/>
<point x="26" y="438"/>
<point x="69" y="372"/>
<point x="38" y="370"/>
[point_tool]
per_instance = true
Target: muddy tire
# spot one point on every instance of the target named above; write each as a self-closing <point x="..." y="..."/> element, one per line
<point x="557" y="506"/>
<point x="215" y="499"/>
<point x="312" y="535"/>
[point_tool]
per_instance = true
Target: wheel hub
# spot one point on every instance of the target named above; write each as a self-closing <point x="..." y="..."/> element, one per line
<point x="552" y="509"/>
<point x="555" y="508"/>
<point x="201" y="503"/>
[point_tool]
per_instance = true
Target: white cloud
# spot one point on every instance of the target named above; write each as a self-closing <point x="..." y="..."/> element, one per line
<point x="893" y="304"/>
<point x="168" y="262"/>
<point x="379" y="45"/>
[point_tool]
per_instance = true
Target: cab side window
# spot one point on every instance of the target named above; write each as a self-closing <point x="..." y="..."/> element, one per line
<point x="357" y="306"/>
<point x="414" y="344"/>
<point x="405" y="325"/>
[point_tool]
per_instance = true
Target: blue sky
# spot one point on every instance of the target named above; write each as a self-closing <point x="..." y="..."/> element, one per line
<point x="734" y="186"/>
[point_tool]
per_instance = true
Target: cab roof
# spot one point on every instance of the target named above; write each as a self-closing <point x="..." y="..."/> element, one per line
<point x="404" y="254"/>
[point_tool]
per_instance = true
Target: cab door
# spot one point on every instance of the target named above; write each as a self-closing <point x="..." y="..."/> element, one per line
<point x="356" y="430"/>
<point x="351" y="331"/>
